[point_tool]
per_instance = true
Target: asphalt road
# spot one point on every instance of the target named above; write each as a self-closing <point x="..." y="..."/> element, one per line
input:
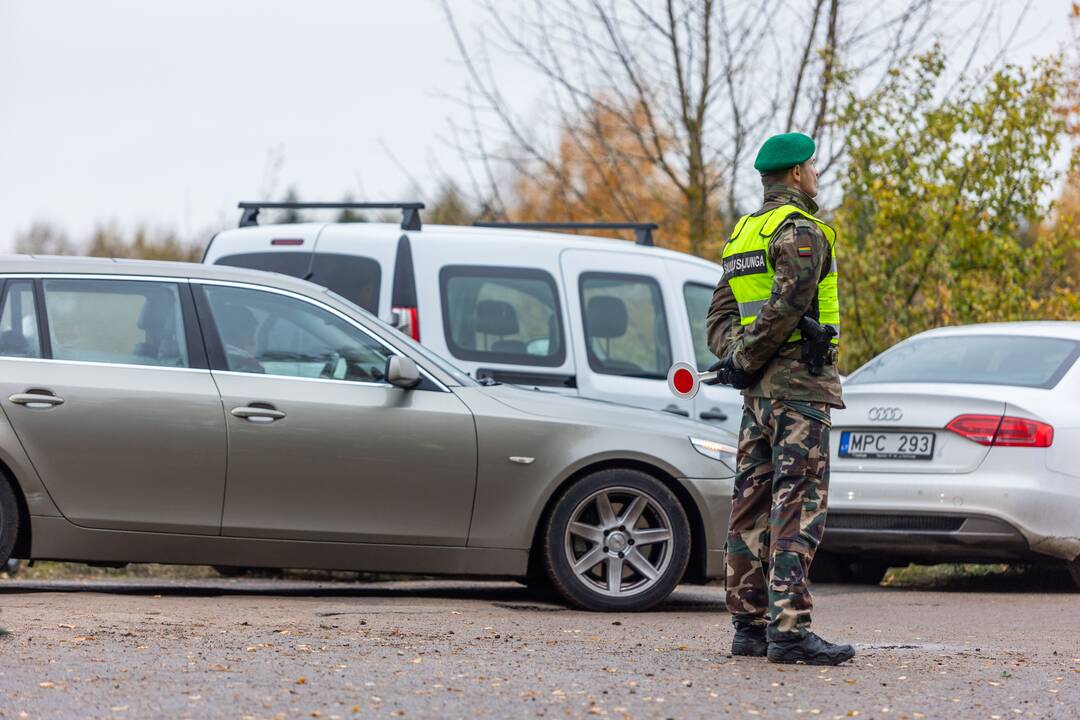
<point x="281" y="649"/>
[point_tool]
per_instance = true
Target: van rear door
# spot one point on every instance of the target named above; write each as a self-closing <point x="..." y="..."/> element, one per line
<point x="620" y="308"/>
<point x="719" y="405"/>
<point x="356" y="260"/>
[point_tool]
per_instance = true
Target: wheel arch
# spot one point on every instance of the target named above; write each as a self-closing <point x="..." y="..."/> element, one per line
<point x="23" y="539"/>
<point x="695" y="568"/>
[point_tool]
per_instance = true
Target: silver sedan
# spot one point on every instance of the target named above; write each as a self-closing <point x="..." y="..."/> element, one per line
<point x="961" y="444"/>
<point x="176" y="413"/>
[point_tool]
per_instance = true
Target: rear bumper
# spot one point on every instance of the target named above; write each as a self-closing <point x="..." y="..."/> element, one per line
<point x="905" y="536"/>
<point x="998" y="513"/>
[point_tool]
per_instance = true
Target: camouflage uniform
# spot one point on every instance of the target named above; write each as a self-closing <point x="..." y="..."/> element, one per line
<point x="781" y="484"/>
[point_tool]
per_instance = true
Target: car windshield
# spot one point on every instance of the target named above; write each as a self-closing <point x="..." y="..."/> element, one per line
<point x="1037" y="362"/>
<point x="459" y="375"/>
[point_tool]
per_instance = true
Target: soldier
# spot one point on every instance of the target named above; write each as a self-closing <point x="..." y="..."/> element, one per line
<point x="779" y="266"/>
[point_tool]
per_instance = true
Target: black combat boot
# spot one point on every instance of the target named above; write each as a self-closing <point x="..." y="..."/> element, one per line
<point x="749" y="640"/>
<point x="810" y="650"/>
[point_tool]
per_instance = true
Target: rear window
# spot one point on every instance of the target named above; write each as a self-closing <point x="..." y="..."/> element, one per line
<point x="354" y="277"/>
<point x="1038" y="362"/>
<point x="501" y="314"/>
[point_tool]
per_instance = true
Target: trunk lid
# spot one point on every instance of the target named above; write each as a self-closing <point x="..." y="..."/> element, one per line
<point x="893" y="408"/>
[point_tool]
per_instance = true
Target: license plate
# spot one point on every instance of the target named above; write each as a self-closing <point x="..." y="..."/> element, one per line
<point x="887" y="445"/>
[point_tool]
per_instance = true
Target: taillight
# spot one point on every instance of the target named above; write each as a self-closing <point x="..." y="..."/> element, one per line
<point x="1004" y="431"/>
<point x="1019" y="432"/>
<point x="287" y="241"/>
<point x="408" y="321"/>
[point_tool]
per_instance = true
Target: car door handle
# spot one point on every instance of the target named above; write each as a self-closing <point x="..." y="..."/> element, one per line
<point x="257" y="414"/>
<point x="676" y="410"/>
<point x="36" y="400"/>
<point x="714" y="414"/>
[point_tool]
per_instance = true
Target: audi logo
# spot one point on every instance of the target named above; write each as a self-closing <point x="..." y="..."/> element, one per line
<point x="885" y="414"/>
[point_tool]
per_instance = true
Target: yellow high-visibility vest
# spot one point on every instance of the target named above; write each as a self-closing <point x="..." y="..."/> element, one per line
<point x="750" y="273"/>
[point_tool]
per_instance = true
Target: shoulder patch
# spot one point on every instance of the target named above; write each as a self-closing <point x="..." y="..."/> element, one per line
<point x="804" y="238"/>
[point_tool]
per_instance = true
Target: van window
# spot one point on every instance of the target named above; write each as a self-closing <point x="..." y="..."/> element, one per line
<point x="354" y="277"/>
<point x="129" y="322"/>
<point x="18" y="321"/>
<point x="626" y="330"/>
<point x="500" y="314"/>
<point x="698" y="298"/>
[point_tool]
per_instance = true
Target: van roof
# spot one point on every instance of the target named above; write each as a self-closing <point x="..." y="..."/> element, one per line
<point x="522" y="238"/>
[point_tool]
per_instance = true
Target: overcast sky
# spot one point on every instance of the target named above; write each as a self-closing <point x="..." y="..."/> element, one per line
<point x="166" y="114"/>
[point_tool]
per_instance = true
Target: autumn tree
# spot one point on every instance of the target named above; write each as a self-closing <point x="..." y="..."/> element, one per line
<point x="107" y="241"/>
<point x="587" y="180"/>
<point x="41" y="238"/>
<point x="939" y="201"/>
<point x="685" y="90"/>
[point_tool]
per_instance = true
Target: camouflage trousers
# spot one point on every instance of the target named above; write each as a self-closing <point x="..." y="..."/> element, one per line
<point x="777" y="513"/>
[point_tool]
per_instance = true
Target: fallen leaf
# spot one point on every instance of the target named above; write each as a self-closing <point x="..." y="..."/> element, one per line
<point x="302" y="681"/>
<point x="47" y="684"/>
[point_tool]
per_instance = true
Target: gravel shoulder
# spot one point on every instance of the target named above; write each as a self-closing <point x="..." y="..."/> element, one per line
<point x="454" y="649"/>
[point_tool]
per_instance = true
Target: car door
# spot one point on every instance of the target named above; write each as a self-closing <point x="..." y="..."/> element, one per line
<point x="320" y="446"/>
<point x="619" y="317"/>
<point x="108" y="390"/>
<point x="719" y="405"/>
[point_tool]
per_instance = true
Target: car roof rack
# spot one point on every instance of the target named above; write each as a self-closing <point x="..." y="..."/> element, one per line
<point x="642" y="231"/>
<point x="410" y="211"/>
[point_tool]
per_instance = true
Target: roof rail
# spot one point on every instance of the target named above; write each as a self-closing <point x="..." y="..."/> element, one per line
<point x="410" y="211"/>
<point x="642" y="231"/>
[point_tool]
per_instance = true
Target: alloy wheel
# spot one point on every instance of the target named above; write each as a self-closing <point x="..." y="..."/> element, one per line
<point x="619" y="541"/>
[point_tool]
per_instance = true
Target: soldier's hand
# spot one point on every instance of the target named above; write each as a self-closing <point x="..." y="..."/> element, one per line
<point x="727" y="373"/>
<point x="722" y="368"/>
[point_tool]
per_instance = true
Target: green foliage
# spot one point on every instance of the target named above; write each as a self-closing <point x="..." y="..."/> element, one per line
<point x="290" y="216"/>
<point x="348" y="215"/>
<point x="942" y="198"/>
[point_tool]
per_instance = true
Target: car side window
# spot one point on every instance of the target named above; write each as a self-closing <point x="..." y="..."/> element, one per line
<point x="698" y="297"/>
<point x="130" y="322"/>
<point x="502" y="314"/>
<point x="18" y="321"/>
<point x="268" y="333"/>
<point x="626" y="330"/>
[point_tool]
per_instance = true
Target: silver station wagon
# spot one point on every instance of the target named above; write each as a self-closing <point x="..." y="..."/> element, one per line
<point x="195" y="414"/>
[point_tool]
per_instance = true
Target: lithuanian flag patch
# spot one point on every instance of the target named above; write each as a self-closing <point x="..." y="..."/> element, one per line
<point x="805" y="251"/>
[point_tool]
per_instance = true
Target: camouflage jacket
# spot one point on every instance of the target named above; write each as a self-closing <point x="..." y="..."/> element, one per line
<point x="762" y="345"/>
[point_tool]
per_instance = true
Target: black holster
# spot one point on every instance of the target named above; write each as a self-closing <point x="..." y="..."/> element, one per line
<point x="817" y="349"/>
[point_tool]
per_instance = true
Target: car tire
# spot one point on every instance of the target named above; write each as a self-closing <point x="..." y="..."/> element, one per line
<point x="1074" y="571"/>
<point x="231" y="571"/>
<point x="867" y="572"/>
<point x="830" y="568"/>
<point x="9" y="521"/>
<point x="617" y="540"/>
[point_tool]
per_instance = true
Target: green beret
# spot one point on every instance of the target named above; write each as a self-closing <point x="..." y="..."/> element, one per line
<point x="783" y="151"/>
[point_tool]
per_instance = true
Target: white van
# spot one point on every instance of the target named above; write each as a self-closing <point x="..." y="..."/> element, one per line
<point x="600" y="318"/>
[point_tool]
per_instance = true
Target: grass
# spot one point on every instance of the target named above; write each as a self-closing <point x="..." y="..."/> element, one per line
<point x="152" y="571"/>
<point x="945" y="574"/>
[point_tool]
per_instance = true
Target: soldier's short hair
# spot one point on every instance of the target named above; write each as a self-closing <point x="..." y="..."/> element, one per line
<point x="774" y="177"/>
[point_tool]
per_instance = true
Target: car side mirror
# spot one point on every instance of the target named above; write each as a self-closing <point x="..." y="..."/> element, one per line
<point x="402" y="372"/>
